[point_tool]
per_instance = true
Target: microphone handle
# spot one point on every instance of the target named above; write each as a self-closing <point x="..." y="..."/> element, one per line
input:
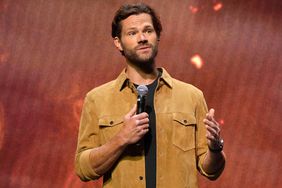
<point x="141" y="101"/>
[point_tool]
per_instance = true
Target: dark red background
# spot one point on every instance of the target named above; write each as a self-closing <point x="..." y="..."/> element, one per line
<point x="53" y="51"/>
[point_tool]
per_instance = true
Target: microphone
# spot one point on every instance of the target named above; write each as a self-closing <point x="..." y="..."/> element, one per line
<point x="142" y="91"/>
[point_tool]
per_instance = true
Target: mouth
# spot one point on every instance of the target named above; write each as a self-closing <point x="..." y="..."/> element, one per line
<point x="143" y="48"/>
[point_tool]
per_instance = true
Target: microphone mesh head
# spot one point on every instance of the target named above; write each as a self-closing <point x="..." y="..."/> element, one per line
<point x="142" y="90"/>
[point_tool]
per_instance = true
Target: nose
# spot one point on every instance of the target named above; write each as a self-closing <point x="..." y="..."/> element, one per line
<point x="142" y="38"/>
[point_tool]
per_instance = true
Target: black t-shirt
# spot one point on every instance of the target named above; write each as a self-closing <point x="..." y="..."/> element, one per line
<point x="150" y="138"/>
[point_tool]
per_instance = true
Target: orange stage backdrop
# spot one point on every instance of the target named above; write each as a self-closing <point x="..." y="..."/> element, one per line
<point x="53" y="51"/>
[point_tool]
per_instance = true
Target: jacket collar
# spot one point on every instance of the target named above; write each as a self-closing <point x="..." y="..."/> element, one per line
<point x="122" y="80"/>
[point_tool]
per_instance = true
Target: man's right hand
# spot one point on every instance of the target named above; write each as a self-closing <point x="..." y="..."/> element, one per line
<point x="135" y="126"/>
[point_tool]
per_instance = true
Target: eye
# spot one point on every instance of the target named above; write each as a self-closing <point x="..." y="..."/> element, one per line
<point x="131" y="33"/>
<point x="149" y="30"/>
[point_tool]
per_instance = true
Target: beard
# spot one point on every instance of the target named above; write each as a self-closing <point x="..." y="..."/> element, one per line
<point x="146" y="62"/>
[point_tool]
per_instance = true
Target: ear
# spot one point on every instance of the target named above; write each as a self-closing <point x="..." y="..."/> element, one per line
<point x="118" y="44"/>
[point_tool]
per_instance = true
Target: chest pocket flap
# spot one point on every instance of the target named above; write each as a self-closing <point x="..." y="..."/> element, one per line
<point x="109" y="127"/>
<point x="183" y="135"/>
<point x="110" y="121"/>
<point x="184" y="119"/>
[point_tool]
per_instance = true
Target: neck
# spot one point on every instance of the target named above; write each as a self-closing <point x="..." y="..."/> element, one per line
<point x="141" y="77"/>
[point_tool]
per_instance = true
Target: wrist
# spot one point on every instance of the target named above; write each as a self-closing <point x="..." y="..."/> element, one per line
<point x="121" y="141"/>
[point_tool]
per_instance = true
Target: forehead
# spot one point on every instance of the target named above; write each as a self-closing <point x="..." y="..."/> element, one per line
<point x="137" y="21"/>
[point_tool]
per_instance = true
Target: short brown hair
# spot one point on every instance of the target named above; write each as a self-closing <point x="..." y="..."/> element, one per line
<point x="134" y="9"/>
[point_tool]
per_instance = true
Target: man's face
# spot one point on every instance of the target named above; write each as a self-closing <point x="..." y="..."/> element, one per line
<point x="138" y="40"/>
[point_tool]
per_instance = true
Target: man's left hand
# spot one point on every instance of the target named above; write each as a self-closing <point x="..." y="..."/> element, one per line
<point x="213" y="130"/>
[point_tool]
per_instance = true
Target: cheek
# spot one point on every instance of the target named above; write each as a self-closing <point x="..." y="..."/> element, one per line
<point x="128" y="45"/>
<point x="129" y="40"/>
<point x="155" y="40"/>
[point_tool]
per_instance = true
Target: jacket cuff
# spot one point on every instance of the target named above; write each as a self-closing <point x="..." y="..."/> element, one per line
<point x="85" y="166"/>
<point x="212" y="176"/>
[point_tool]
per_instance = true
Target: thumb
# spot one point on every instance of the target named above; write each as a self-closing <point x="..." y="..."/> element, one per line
<point x="132" y="111"/>
<point x="211" y="113"/>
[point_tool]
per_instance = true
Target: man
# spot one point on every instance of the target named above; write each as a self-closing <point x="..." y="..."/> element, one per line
<point x="161" y="147"/>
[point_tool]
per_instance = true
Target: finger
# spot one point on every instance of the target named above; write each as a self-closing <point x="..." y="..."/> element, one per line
<point x="210" y="137"/>
<point x="212" y="124"/>
<point x="213" y="132"/>
<point x="137" y="122"/>
<point x="143" y="121"/>
<point x="212" y="111"/>
<point x="142" y="115"/>
<point x="210" y="114"/>
<point x="143" y="131"/>
<point x="144" y="126"/>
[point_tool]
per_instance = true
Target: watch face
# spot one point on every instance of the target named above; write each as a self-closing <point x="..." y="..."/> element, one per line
<point x="219" y="146"/>
<point x="221" y="142"/>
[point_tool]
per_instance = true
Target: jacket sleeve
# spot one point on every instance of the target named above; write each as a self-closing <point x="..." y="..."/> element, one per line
<point x="88" y="139"/>
<point x="201" y="140"/>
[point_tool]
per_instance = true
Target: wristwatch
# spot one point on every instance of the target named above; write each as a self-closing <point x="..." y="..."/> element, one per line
<point x="219" y="146"/>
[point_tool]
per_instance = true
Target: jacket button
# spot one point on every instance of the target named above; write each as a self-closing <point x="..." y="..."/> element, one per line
<point x="111" y="122"/>
<point x="141" y="177"/>
<point x="185" y="121"/>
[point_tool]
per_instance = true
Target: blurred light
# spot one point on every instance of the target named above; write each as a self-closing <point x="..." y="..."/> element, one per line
<point x="221" y="121"/>
<point x="4" y="57"/>
<point x="193" y="9"/>
<point x="201" y="6"/>
<point x="217" y="6"/>
<point x="3" y="6"/>
<point x="197" y="61"/>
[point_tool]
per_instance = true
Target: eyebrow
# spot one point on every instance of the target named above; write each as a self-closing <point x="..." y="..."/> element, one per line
<point x="134" y="28"/>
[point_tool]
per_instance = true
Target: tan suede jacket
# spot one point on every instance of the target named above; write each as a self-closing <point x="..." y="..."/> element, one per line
<point x="181" y="143"/>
